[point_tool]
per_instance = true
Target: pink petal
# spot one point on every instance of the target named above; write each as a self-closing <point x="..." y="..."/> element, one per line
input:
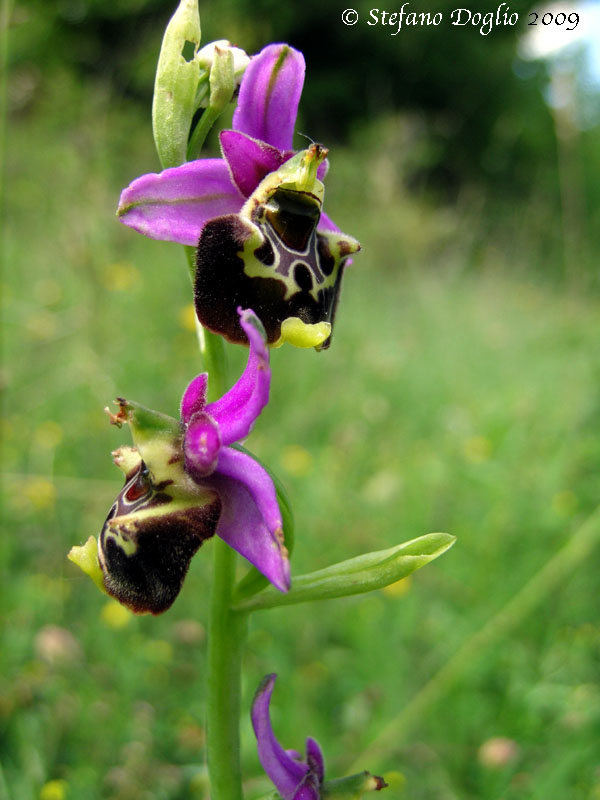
<point x="237" y="410"/>
<point x="249" y="160"/>
<point x="194" y="397"/>
<point x="201" y="445"/>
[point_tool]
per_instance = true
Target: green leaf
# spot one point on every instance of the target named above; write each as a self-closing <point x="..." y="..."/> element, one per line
<point x="176" y="84"/>
<point x="364" y="573"/>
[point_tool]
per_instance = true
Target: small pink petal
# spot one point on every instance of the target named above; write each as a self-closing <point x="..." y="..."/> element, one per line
<point x="194" y="397"/>
<point x="249" y="160"/>
<point x="237" y="410"/>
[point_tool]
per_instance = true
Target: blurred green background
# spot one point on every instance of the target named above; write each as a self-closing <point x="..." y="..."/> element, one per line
<point x="461" y="393"/>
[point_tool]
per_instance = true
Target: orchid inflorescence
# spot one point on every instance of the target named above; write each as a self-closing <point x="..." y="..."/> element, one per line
<point x="268" y="268"/>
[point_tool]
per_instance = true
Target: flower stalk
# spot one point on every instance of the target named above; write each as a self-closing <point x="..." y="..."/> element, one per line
<point x="226" y="638"/>
<point x="211" y="346"/>
<point x="227" y="630"/>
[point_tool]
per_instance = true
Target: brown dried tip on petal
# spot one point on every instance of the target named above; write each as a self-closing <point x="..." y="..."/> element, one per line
<point x="379" y="783"/>
<point x="121" y="416"/>
<point x="279" y="535"/>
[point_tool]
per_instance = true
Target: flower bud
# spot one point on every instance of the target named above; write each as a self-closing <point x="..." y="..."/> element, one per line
<point x="176" y="85"/>
<point x="207" y="58"/>
<point x="222" y="81"/>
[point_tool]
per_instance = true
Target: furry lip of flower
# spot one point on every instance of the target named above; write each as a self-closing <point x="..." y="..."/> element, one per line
<point x="255" y="215"/>
<point x="293" y="777"/>
<point x="185" y="482"/>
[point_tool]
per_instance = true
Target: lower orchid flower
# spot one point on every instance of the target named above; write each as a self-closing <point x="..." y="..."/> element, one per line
<point x="296" y="778"/>
<point x="185" y="482"/>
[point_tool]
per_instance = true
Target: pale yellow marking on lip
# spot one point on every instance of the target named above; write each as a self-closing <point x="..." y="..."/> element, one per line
<point x="303" y="334"/>
<point x="86" y="558"/>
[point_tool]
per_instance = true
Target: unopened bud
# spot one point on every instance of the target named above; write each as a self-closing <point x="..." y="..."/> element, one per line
<point x="222" y="82"/>
<point x="206" y="59"/>
<point x="176" y="85"/>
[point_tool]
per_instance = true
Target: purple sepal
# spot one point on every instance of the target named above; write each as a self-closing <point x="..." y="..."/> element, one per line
<point x="243" y="527"/>
<point x="243" y="468"/>
<point x="322" y="169"/>
<point x="269" y="95"/>
<point x="174" y="204"/>
<point x="237" y="410"/>
<point x="288" y="775"/>
<point x="327" y="224"/>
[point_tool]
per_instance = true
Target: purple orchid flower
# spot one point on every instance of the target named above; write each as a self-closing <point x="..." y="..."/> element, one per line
<point x="263" y="240"/>
<point x="184" y="482"/>
<point x="296" y="778"/>
<point x="174" y="205"/>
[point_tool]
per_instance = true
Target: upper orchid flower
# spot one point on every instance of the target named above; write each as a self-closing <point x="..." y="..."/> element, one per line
<point x="184" y="483"/>
<point x="293" y="777"/>
<point x="255" y="216"/>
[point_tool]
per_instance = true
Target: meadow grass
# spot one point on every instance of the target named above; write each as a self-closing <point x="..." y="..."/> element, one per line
<point x="459" y="394"/>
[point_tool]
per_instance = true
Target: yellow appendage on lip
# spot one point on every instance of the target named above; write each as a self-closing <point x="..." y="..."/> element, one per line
<point x="303" y="334"/>
<point x="86" y="558"/>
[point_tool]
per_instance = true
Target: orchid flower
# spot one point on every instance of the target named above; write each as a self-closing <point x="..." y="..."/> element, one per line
<point x="296" y="778"/>
<point x="185" y="482"/>
<point x="255" y="215"/>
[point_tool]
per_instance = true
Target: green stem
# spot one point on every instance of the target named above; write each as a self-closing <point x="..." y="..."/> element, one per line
<point x="226" y="637"/>
<point x="226" y="628"/>
<point x="5" y="16"/>
<point x="207" y="120"/>
<point x="212" y="347"/>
